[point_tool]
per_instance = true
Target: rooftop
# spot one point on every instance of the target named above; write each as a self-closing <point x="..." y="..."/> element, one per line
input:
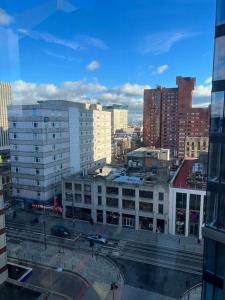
<point x="125" y="175"/>
<point x="191" y="175"/>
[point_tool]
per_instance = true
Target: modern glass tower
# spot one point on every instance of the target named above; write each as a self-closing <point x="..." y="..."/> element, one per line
<point x="214" y="231"/>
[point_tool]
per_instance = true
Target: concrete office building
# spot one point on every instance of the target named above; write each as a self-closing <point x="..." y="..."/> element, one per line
<point x="3" y="256"/>
<point x="214" y="230"/>
<point x="119" y="116"/>
<point x="169" y="117"/>
<point x="51" y="139"/>
<point x="5" y="100"/>
<point x="137" y="200"/>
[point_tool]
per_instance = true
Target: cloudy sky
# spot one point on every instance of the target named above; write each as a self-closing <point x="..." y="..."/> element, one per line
<point x="106" y="51"/>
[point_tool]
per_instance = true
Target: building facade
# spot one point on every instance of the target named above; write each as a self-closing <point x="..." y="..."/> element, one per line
<point x="195" y="145"/>
<point x="5" y="100"/>
<point x="110" y="197"/>
<point x="214" y="230"/>
<point x="169" y="117"/>
<point x="119" y="117"/>
<point x="3" y="256"/>
<point x="51" y="139"/>
<point x="187" y="199"/>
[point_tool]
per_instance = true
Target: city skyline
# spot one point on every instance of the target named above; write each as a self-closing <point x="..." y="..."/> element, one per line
<point x="89" y="61"/>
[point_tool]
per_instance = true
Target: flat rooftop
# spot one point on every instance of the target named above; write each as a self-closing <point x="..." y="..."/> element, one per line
<point x="125" y="175"/>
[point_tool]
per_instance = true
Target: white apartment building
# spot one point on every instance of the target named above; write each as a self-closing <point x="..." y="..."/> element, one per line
<point x="5" y="100"/>
<point x="119" y="117"/>
<point x="3" y="256"/>
<point x="108" y="196"/>
<point x="52" y="139"/>
<point x="187" y="199"/>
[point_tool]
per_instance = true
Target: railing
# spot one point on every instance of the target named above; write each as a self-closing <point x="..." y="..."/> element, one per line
<point x="194" y="293"/>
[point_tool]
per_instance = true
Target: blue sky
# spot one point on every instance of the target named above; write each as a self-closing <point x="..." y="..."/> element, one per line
<point x="108" y="50"/>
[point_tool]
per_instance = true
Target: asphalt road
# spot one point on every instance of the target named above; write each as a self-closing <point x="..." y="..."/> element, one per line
<point x="160" y="280"/>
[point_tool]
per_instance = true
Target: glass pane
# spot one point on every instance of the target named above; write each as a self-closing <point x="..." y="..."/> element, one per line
<point x="217" y="112"/>
<point x="220" y="261"/>
<point x="219" y="59"/>
<point x="220" y="14"/>
<point x="208" y="291"/>
<point x="214" y="162"/>
<point x="211" y="208"/>
<point x="219" y="294"/>
<point x="221" y="212"/>
<point x="210" y="249"/>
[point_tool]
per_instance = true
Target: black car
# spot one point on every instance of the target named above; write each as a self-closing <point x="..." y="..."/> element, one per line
<point x="61" y="231"/>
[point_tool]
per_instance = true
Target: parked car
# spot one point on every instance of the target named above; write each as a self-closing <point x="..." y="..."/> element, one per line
<point x="97" y="238"/>
<point x="59" y="230"/>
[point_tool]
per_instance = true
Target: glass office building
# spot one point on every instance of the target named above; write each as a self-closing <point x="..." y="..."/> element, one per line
<point x="214" y="230"/>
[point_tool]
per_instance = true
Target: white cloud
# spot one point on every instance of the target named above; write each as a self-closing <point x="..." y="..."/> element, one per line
<point x="160" y="70"/>
<point x="80" y="42"/>
<point x="5" y="19"/>
<point x="93" y="65"/>
<point x="162" y="42"/>
<point x="132" y="89"/>
<point x="81" y="91"/>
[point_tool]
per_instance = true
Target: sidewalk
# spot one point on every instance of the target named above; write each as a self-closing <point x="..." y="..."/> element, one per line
<point x="97" y="270"/>
<point x="119" y="233"/>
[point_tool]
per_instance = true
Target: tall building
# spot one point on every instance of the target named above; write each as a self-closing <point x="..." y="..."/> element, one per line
<point x="214" y="230"/>
<point x="5" y="100"/>
<point x="119" y="116"/>
<point x="169" y="117"/>
<point x="3" y="257"/>
<point x="195" y="145"/>
<point x="51" y="139"/>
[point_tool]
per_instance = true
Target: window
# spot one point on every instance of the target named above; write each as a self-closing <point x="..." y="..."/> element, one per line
<point x="160" y="209"/>
<point x="128" y="192"/>
<point x="99" y="189"/>
<point x="99" y="200"/>
<point x="16" y="158"/>
<point x="112" y="202"/>
<point x="195" y="201"/>
<point x="37" y="159"/>
<point x="77" y="187"/>
<point x="78" y="198"/>
<point x="128" y="204"/>
<point x="17" y="191"/>
<point x="68" y="186"/>
<point x="161" y="196"/>
<point x="214" y="161"/>
<point x="35" y="124"/>
<point x="38" y="194"/>
<point x="146" y="194"/>
<point x="37" y="171"/>
<point x="14" y="136"/>
<point x="69" y="197"/>
<point x="36" y="148"/>
<point x="220" y="14"/>
<point x="112" y="190"/>
<point x="219" y="59"/>
<point x="53" y="135"/>
<point x="14" y="124"/>
<point x="87" y="199"/>
<point x="17" y="170"/>
<point x="217" y="108"/>
<point x="37" y="182"/>
<point x="144" y="206"/>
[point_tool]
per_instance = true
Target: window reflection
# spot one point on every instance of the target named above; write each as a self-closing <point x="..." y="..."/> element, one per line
<point x="219" y="59"/>
<point x="220" y="14"/>
<point x="214" y="161"/>
<point x="211" y="208"/>
<point x="217" y="112"/>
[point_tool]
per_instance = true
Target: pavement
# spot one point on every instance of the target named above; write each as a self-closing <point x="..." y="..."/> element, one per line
<point x="98" y="271"/>
<point x="114" y="232"/>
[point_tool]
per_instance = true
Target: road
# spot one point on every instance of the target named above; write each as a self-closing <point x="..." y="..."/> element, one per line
<point x="161" y="256"/>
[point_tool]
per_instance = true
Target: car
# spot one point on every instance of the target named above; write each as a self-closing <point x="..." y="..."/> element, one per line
<point x="97" y="238"/>
<point x="61" y="231"/>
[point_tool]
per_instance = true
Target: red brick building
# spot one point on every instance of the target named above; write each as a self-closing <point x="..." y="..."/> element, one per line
<point x="169" y="117"/>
